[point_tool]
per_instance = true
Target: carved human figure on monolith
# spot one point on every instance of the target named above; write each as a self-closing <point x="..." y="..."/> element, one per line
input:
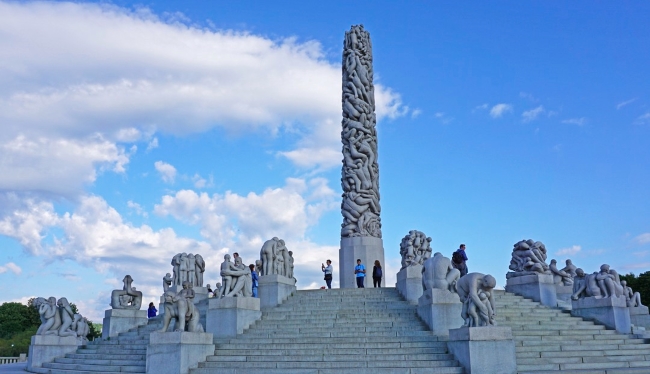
<point x="176" y="264"/>
<point x="360" y="172"/>
<point x="469" y="288"/>
<point x="437" y="272"/>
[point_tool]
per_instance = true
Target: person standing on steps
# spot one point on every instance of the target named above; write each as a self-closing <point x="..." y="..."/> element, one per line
<point x="255" y="279"/>
<point x="377" y="274"/>
<point x="151" y="312"/>
<point x="459" y="260"/>
<point x="360" y="272"/>
<point x="328" y="273"/>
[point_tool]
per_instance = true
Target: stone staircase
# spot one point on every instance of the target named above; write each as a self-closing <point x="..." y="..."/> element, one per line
<point x="551" y="340"/>
<point x="125" y="353"/>
<point x="375" y="331"/>
<point x="340" y="331"/>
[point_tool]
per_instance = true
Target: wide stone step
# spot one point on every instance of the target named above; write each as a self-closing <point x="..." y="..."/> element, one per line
<point x="430" y="370"/>
<point x="248" y="339"/>
<point x="97" y="361"/>
<point x="369" y="345"/>
<point x="97" y="368"/>
<point x="98" y="356"/>
<point x="325" y="363"/>
<point x="326" y="351"/>
<point x="319" y="357"/>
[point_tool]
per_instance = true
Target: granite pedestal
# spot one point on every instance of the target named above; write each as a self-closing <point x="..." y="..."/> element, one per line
<point x="610" y="311"/>
<point x="274" y="289"/>
<point x="409" y="283"/>
<point x="230" y="316"/>
<point x="122" y="320"/>
<point x="440" y="310"/>
<point x="563" y="293"/>
<point x="484" y="350"/>
<point x="639" y="316"/>
<point x="539" y="287"/>
<point x="45" y="348"/>
<point x="366" y="248"/>
<point x="177" y="352"/>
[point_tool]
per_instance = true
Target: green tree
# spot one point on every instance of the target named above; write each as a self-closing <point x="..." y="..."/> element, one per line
<point x="15" y="318"/>
<point x="640" y="284"/>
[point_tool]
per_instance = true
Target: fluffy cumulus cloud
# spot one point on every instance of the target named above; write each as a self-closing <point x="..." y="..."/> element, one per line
<point x="499" y="110"/>
<point x="230" y="219"/>
<point x="73" y="71"/>
<point x="642" y="239"/>
<point x="167" y="172"/>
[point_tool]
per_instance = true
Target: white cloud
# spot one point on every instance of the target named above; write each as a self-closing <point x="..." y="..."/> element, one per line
<point x="137" y="208"/>
<point x="499" y="110"/>
<point x="624" y="103"/>
<point x="532" y="114"/>
<point x="416" y="113"/>
<point x="148" y="75"/>
<point x="200" y="182"/>
<point x="643" y="119"/>
<point x="57" y="165"/>
<point x="570" y="251"/>
<point x="285" y="212"/>
<point x="575" y="121"/>
<point x="167" y="171"/>
<point x="10" y="266"/>
<point x="152" y="144"/>
<point x="643" y="238"/>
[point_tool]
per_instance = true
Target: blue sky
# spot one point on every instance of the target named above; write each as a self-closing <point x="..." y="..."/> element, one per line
<point x="134" y="131"/>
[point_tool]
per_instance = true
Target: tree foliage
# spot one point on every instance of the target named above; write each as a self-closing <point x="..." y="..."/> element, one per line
<point x="640" y="284"/>
<point x="15" y="318"/>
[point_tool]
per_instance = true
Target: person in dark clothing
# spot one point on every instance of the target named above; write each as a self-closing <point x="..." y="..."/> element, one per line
<point x="151" y="312"/>
<point x="377" y="274"/>
<point x="255" y="279"/>
<point x="328" y="273"/>
<point x="459" y="260"/>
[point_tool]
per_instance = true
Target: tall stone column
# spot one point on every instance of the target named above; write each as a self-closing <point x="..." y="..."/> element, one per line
<point x="361" y="228"/>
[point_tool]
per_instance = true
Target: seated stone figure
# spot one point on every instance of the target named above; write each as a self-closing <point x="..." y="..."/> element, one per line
<point x="437" y="272"/>
<point x="560" y="276"/>
<point x="585" y="286"/>
<point x="128" y="297"/>
<point x="570" y="269"/>
<point x="469" y="288"/>
<point x="183" y="311"/>
<point x="632" y="298"/>
<point x="67" y="317"/>
<point x="242" y="281"/>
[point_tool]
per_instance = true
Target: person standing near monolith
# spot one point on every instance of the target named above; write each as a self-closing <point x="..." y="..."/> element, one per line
<point x="459" y="260"/>
<point x="361" y="227"/>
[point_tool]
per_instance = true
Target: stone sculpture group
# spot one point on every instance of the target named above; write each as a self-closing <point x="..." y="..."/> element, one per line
<point x="603" y="284"/>
<point x="128" y="297"/>
<point x="415" y="248"/>
<point x="57" y="318"/>
<point x="188" y="267"/>
<point x="475" y="290"/>
<point x="236" y="279"/>
<point x="360" y="173"/>
<point x="275" y="258"/>
<point x="180" y="307"/>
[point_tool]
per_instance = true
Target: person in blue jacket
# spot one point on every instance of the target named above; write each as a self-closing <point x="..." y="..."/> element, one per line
<point x="151" y="312"/>
<point x="255" y="279"/>
<point x="360" y="272"/>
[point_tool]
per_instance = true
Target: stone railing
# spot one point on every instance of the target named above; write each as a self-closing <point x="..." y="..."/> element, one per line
<point x="13" y="360"/>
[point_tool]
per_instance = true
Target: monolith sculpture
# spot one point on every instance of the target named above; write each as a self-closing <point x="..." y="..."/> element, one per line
<point x="361" y="228"/>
